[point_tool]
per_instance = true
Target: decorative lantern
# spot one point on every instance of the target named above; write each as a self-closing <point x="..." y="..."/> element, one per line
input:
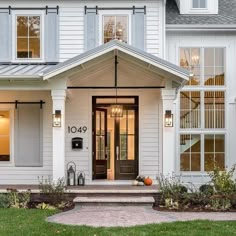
<point x="71" y="170"/>
<point x="56" y="119"/>
<point x="168" y="119"/>
<point x="81" y="179"/>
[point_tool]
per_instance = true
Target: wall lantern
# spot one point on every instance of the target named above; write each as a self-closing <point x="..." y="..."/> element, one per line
<point x="71" y="170"/>
<point x="81" y="179"/>
<point x="56" y="119"/>
<point x="168" y="119"/>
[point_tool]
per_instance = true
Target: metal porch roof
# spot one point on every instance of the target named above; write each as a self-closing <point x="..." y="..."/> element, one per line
<point x="23" y="71"/>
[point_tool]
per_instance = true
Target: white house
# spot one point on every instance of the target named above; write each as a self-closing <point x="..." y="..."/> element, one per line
<point x="120" y="88"/>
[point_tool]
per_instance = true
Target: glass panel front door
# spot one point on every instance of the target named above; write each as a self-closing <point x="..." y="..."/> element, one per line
<point x="115" y="140"/>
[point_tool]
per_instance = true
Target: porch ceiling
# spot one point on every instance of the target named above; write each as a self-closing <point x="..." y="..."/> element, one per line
<point x="96" y="68"/>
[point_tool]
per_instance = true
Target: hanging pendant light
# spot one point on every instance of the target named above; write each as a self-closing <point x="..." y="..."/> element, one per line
<point x="116" y="109"/>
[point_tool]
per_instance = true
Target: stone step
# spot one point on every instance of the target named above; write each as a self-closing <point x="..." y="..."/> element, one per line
<point x="118" y="200"/>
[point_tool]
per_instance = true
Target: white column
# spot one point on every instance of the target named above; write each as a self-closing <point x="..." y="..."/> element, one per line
<point x="169" y="141"/>
<point x="58" y="136"/>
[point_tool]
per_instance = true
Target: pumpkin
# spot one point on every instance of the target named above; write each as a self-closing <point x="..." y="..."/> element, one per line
<point x="148" y="181"/>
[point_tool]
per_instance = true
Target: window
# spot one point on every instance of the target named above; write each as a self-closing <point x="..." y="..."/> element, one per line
<point x="202" y="110"/>
<point x="199" y="3"/>
<point x="28" y="37"/>
<point x="115" y="27"/>
<point x="4" y="136"/>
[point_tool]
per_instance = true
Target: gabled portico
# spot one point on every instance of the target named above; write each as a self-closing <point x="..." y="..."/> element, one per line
<point x="119" y="68"/>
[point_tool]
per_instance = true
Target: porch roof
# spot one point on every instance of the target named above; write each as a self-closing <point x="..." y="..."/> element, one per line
<point x="125" y="50"/>
<point x="23" y="71"/>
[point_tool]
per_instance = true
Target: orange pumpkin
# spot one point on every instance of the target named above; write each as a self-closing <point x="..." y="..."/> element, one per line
<point x="148" y="181"/>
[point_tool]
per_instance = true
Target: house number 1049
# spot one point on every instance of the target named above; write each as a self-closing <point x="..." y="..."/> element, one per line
<point x="74" y="129"/>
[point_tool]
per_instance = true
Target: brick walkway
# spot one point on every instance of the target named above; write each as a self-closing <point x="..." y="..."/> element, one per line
<point x="123" y="216"/>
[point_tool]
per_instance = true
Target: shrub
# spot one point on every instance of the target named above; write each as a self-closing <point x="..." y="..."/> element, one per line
<point x="4" y="201"/>
<point x="55" y="190"/>
<point x="223" y="180"/>
<point x="18" y="199"/>
<point x="172" y="190"/>
<point x="206" y="189"/>
<point x="220" y="203"/>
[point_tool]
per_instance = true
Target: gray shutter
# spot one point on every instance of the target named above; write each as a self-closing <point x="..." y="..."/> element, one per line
<point x="5" y="36"/>
<point x="28" y="137"/>
<point x="51" y="36"/>
<point x="91" y="29"/>
<point x="138" y="29"/>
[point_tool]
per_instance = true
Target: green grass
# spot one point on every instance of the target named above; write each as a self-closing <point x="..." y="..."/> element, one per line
<point x="32" y="222"/>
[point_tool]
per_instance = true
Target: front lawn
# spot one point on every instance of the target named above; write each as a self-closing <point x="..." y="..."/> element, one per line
<point x="23" y="222"/>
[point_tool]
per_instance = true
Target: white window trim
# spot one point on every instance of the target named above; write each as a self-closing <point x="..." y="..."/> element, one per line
<point x="14" y="34"/>
<point x="114" y="13"/>
<point x="10" y="163"/>
<point x="201" y="131"/>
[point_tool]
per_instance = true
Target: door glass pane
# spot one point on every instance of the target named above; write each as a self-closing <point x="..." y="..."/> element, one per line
<point x="131" y="147"/>
<point x="98" y="123"/>
<point x="100" y="147"/>
<point x="124" y="122"/>
<point x="123" y="147"/>
<point x="131" y="122"/>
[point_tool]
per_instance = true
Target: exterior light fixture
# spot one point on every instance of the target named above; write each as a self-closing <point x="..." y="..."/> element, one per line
<point x="116" y="110"/>
<point x="168" y="119"/>
<point x="56" y="119"/>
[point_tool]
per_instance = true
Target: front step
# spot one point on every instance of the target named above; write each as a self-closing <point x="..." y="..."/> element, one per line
<point x="114" y="201"/>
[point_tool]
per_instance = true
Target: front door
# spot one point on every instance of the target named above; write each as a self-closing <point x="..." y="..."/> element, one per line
<point x="126" y="144"/>
<point x="100" y="140"/>
<point x="115" y="139"/>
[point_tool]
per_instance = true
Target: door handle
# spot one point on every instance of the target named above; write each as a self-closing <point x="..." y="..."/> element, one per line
<point x="117" y="153"/>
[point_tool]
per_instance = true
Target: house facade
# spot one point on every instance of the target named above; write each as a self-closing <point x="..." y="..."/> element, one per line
<point x="119" y="88"/>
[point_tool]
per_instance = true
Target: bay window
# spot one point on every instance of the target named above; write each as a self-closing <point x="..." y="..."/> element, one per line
<point x="202" y="110"/>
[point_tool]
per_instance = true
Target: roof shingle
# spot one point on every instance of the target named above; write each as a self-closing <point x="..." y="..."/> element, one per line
<point x="226" y="16"/>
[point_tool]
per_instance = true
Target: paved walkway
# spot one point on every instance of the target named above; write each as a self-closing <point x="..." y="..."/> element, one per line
<point x="124" y="216"/>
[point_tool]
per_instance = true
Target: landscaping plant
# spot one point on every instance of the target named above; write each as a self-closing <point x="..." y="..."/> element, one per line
<point x="52" y="191"/>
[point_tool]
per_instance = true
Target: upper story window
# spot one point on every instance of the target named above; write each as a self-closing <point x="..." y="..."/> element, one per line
<point x="28" y="36"/>
<point x="199" y="4"/>
<point x="115" y="27"/>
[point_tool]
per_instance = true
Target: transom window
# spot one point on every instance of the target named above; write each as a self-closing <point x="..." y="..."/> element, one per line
<point x="4" y="136"/>
<point x="115" y="27"/>
<point x="28" y="37"/>
<point x="202" y="110"/>
<point x="199" y="3"/>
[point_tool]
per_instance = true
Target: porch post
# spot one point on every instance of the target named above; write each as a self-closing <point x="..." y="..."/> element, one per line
<point x="169" y="143"/>
<point x="58" y="136"/>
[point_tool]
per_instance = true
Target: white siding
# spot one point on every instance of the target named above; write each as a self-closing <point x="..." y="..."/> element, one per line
<point x="79" y="113"/>
<point x="71" y="22"/>
<point x="9" y="174"/>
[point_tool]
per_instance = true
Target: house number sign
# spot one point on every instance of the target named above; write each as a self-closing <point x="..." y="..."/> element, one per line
<point x="74" y="129"/>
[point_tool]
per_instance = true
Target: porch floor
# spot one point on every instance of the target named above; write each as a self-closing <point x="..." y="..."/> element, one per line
<point x="90" y="188"/>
